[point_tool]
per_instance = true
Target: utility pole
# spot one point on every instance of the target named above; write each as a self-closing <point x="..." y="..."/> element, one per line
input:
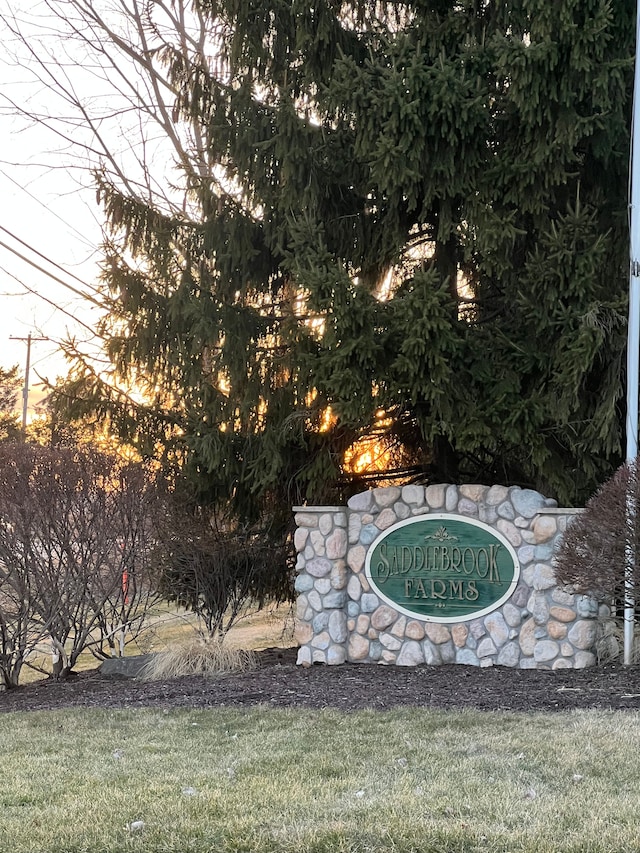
<point x="25" y="390"/>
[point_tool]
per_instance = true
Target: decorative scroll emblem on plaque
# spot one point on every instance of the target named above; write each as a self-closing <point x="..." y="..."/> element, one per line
<point x="442" y="568"/>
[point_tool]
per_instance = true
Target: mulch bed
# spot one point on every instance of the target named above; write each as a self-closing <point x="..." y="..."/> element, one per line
<point x="278" y="682"/>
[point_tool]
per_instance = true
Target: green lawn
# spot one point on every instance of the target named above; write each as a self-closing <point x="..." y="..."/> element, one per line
<point x="318" y="782"/>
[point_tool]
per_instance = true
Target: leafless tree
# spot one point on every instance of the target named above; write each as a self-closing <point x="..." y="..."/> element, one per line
<point x="75" y="553"/>
<point x="106" y="94"/>
<point x="101" y="80"/>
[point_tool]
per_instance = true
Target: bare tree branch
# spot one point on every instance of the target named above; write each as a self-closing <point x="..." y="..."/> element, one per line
<point x="75" y="553"/>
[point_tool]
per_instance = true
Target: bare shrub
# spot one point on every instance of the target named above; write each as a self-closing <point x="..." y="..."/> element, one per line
<point x="200" y="656"/>
<point x="220" y="569"/>
<point x="593" y="554"/>
<point x="19" y="632"/>
<point x="75" y="544"/>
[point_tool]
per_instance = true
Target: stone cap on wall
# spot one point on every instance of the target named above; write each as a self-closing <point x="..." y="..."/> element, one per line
<point x="551" y="510"/>
<point x="560" y="510"/>
<point x="318" y="508"/>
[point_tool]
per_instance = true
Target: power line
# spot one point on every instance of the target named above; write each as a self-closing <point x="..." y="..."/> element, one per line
<point x="44" y="257"/>
<point x="70" y="287"/>
<point x="47" y="300"/>
<point x="46" y="207"/>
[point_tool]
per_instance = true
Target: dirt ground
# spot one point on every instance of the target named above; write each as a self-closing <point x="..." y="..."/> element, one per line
<point x="278" y="682"/>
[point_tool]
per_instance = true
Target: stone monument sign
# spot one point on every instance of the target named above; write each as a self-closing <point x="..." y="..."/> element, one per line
<point x="439" y="574"/>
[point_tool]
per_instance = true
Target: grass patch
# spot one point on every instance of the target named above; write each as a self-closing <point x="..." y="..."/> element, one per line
<point x="198" y="656"/>
<point x="265" y="780"/>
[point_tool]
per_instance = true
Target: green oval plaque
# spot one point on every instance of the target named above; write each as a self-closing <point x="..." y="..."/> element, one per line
<point x="442" y="568"/>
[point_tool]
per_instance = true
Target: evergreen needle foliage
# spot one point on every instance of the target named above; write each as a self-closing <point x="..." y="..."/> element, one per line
<point x="400" y="220"/>
<point x="10" y="384"/>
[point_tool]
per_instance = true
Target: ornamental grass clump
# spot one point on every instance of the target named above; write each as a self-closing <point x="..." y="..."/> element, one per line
<point x="209" y="657"/>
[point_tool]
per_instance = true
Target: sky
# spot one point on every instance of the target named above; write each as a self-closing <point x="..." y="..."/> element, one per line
<point x="59" y="231"/>
<point x="99" y="101"/>
<point x="53" y="222"/>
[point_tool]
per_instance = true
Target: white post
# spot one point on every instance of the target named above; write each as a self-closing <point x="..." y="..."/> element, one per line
<point x="633" y="346"/>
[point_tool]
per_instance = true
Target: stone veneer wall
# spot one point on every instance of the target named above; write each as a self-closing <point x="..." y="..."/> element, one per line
<point x="339" y="618"/>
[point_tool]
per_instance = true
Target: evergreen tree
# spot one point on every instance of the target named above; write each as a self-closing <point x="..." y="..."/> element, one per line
<point x="405" y="220"/>
<point x="10" y="384"/>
